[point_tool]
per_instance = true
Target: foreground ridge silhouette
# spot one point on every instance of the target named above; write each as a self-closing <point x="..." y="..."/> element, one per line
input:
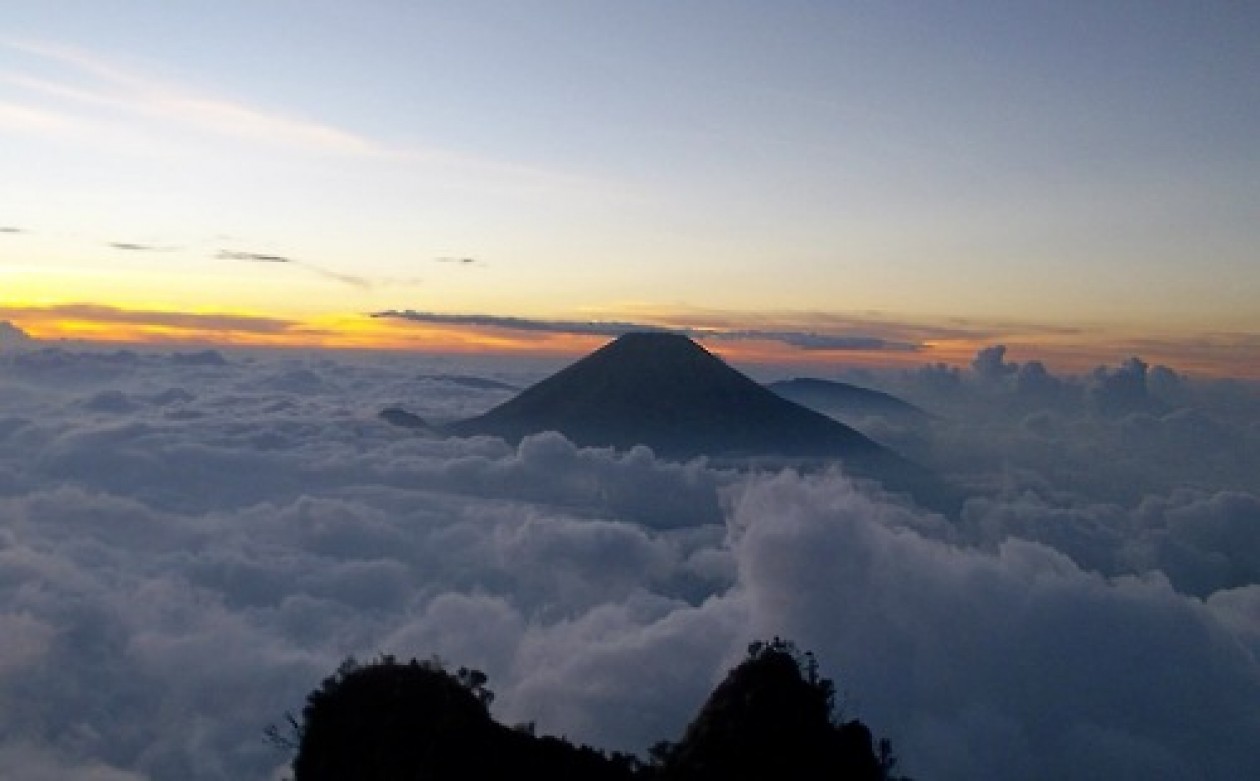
<point x="772" y="717"/>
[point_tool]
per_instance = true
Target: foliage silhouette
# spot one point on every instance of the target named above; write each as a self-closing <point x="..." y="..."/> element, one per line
<point x="390" y="721"/>
<point x="772" y="717"/>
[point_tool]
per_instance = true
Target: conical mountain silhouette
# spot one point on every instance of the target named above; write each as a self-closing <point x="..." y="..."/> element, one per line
<point x="667" y="392"/>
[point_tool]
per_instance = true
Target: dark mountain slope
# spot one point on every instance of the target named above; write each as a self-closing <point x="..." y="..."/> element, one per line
<point x="669" y="393"/>
<point x="467" y="381"/>
<point x="841" y="400"/>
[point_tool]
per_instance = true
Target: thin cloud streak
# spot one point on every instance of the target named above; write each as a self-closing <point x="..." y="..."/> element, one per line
<point x="252" y="257"/>
<point x="261" y="257"/>
<point x="118" y="88"/>
<point x="805" y="340"/>
<point x="337" y="276"/>
<point x="567" y="327"/>
<point x="127" y="246"/>
<point x="122" y="90"/>
<point x="184" y="321"/>
<point x="25" y="118"/>
<point x="808" y="340"/>
<point x="890" y="327"/>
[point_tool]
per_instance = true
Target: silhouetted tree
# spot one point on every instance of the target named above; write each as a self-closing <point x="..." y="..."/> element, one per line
<point x="772" y="717"/>
<point x="387" y="720"/>
<point x="390" y="721"/>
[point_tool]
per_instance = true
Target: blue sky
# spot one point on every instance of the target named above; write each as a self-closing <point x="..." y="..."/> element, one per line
<point x="1062" y="164"/>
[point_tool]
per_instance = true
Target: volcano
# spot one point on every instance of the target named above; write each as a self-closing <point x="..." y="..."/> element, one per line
<point x="669" y="393"/>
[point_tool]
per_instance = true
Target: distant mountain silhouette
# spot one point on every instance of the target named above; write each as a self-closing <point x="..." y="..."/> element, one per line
<point x="841" y="400"/>
<point x="12" y="337"/>
<point x="469" y="381"/>
<point x="403" y="419"/>
<point x="669" y="393"/>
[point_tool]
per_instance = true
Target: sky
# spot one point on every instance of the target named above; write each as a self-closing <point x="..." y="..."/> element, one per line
<point x="908" y="181"/>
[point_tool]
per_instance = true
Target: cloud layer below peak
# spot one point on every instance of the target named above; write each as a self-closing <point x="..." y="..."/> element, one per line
<point x="189" y="542"/>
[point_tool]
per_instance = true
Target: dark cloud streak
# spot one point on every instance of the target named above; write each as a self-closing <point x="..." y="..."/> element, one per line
<point x="260" y="257"/>
<point x="803" y="340"/>
<point x="336" y="276"/>
<point x="574" y="328"/>
<point x="252" y="257"/>
<point x="127" y="246"/>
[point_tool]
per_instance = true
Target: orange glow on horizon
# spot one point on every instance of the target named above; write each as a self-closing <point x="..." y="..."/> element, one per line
<point x="117" y="326"/>
<point x="1221" y="356"/>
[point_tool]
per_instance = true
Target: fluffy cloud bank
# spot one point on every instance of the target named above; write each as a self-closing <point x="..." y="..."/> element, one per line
<point x="1011" y="663"/>
<point x="189" y="543"/>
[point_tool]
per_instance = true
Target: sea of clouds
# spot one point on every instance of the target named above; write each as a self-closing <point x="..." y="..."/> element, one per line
<point x="191" y="541"/>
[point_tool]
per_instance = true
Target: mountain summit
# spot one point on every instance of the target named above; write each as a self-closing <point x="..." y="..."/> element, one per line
<point x="667" y="392"/>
